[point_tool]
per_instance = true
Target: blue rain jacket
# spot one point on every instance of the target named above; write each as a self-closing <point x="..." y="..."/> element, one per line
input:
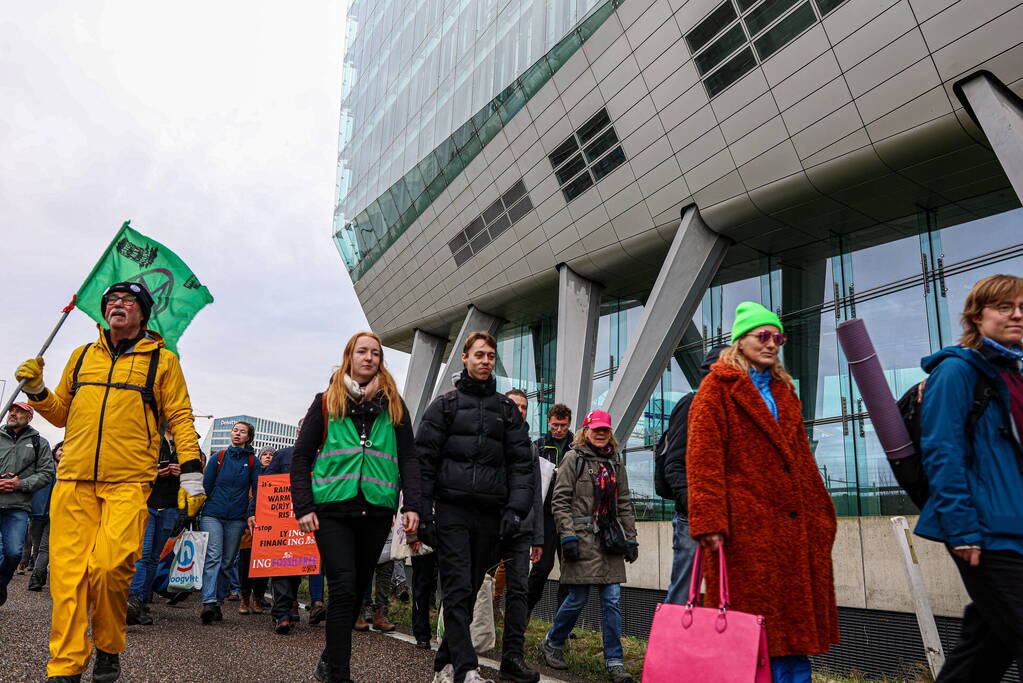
<point x="228" y="490"/>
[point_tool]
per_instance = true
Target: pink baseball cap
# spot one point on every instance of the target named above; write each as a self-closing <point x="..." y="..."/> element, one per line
<point x="24" y="406"/>
<point x="596" y="419"/>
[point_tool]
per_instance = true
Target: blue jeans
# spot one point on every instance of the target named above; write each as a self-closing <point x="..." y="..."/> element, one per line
<point x="610" y="621"/>
<point x="221" y="554"/>
<point x="13" y="527"/>
<point x="316" y="586"/>
<point x="791" y="669"/>
<point x="158" y="530"/>
<point x="684" y="549"/>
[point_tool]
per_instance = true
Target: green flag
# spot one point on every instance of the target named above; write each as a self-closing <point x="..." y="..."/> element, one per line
<point x="132" y="257"/>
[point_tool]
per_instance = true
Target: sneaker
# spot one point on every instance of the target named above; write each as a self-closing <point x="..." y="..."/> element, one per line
<point x="180" y="596"/>
<point x="618" y="674"/>
<point x="474" y="676"/>
<point x="283" y="626"/>
<point x="317" y="613"/>
<point x="145" y="618"/>
<point x="554" y="656"/>
<point x="131" y="617"/>
<point x="107" y="668"/>
<point x="321" y="670"/>
<point x="514" y="668"/>
<point x="445" y="675"/>
<point x="209" y="613"/>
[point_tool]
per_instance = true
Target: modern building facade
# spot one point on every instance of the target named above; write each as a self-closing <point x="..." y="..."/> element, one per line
<point x="617" y="177"/>
<point x="270" y="433"/>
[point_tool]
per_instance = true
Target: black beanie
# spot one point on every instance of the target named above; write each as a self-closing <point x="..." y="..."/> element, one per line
<point x="141" y="294"/>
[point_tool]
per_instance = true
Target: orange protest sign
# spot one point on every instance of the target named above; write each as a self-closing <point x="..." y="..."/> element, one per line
<point x="278" y="547"/>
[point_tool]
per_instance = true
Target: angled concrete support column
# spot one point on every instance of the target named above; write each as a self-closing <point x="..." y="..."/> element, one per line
<point x="475" y="320"/>
<point x="578" y="316"/>
<point x="427" y="354"/>
<point x="999" y="113"/>
<point x="691" y="263"/>
<point x="690" y="361"/>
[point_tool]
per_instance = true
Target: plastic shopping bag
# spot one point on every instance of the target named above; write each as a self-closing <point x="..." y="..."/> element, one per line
<point x="400" y="548"/>
<point x="189" y="560"/>
<point x="482" y="629"/>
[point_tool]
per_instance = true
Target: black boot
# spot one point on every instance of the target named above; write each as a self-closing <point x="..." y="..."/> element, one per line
<point x="107" y="668"/>
<point x="77" y="678"/>
<point x="209" y="613"/>
<point x="145" y="618"/>
<point x="131" y="617"/>
<point x="514" y="668"/>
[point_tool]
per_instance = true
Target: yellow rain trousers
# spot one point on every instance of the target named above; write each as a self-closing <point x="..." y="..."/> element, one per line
<point x="95" y="539"/>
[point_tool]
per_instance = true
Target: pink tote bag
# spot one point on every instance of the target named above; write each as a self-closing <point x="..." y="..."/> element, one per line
<point x="706" y="644"/>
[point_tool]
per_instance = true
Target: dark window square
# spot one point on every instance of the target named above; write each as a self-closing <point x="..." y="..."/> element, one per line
<point x="481" y="240"/>
<point x="564" y="151"/>
<point x="499" y="226"/>
<point x="463" y="256"/>
<point x="597" y="122"/>
<point x="826" y="6"/>
<point x="711" y="26"/>
<point x="513" y="194"/>
<point x="733" y="39"/>
<point x="566" y="172"/>
<point x="516" y="212"/>
<point x="733" y="70"/>
<point x="457" y="242"/>
<point x="609" y="163"/>
<point x="474" y="227"/>
<point x="491" y="213"/>
<point x="782" y="33"/>
<point x="758" y="19"/>
<point x="577" y="186"/>
<point x="604" y="142"/>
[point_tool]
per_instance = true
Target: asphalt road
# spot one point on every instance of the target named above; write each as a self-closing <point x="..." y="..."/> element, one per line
<point x="179" y="649"/>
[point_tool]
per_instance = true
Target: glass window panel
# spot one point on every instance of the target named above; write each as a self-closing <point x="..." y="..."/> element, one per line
<point x="758" y="19"/>
<point x="422" y="201"/>
<point x="898" y="329"/>
<point x="514" y="105"/>
<point x="491" y="213"/>
<point x="453" y="168"/>
<point x="879" y="493"/>
<point x="470" y="150"/>
<point x="593" y="22"/>
<point x="535" y="78"/>
<point x="513" y="193"/>
<point x="499" y="226"/>
<point x="593" y="126"/>
<point x="577" y="186"/>
<point x="733" y="70"/>
<point x="837" y="467"/>
<point x="564" y="50"/>
<point x="826" y="6"/>
<point x="474" y="227"/>
<point x="429" y="168"/>
<point x="491" y="128"/>
<point x="733" y="39"/>
<point x="516" y="212"/>
<point x="785" y="31"/>
<point x="463" y="256"/>
<point x="604" y="142"/>
<point x="481" y="240"/>
<point x="884" y="263"/>
<point x="415" y="182"/>
<point x="746" y="4"/>
<point x="711" y="26"/>
<point x="436" y="187"/>
<point x="388" y="208"/>
<point x="568" y="171"/>
<point x="609" y="163"/>
<point x="563" y="152"/>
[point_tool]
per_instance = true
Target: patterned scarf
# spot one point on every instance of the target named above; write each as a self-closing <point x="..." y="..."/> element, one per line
<point x="1015" y="354"/>
<point x="605" y="497"/>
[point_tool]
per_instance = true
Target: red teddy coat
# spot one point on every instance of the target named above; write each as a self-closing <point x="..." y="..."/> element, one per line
<point x="754" y="480"/>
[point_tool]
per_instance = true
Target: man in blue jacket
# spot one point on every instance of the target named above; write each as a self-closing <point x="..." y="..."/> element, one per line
<point x="974" y="465"/>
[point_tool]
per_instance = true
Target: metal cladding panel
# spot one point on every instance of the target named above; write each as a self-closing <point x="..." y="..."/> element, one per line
<point x="848" y="126"/>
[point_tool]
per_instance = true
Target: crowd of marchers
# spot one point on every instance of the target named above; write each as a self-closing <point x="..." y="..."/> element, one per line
<point x="473" y="494"/>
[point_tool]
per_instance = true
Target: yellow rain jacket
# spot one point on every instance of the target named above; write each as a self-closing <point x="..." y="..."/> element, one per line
<point x="112" y="435"/>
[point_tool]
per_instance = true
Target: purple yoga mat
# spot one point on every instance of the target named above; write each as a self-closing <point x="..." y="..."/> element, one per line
<point x="866" y="370"/>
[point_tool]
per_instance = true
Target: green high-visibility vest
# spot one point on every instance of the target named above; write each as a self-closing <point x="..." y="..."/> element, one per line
<point x="348" y="463"/>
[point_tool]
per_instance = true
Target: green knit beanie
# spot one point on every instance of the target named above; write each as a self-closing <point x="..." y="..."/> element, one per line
<point x="750" y="315"/>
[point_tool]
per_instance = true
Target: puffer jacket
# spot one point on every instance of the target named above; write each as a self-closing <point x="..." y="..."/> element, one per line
<point x="572" y="503"/>
<point x="474" y="449"/>
<point x="229" y="488"/>
<point x="18" y="455"/>
<point x="976" y="488"/>
<point x="111" y="435"/>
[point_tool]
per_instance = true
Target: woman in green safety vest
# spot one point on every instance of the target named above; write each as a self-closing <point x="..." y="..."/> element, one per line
<point x="355" y="453"/>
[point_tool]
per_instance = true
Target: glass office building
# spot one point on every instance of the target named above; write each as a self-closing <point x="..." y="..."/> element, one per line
<point x="269" y="433"/>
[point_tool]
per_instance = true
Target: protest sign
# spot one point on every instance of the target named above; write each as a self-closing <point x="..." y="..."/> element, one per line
<point x="278" y="547"/>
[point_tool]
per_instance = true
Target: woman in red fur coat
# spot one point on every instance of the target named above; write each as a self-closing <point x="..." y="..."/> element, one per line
<point x="754" y="486"/>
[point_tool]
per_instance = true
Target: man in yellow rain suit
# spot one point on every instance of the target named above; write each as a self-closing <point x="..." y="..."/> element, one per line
<point x="110" y="400"/>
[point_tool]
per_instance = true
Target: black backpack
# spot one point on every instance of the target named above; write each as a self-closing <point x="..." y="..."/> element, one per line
<point x="148" y="396"/>
<point x="679" y="412"/>
<point x="909" y="471"/>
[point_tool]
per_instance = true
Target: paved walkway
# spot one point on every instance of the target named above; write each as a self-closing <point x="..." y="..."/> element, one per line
<point x="179" y="648"/>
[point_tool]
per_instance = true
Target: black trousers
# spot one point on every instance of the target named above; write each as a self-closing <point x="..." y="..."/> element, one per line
<point x="515" y="553"/>
<point x="256" y="585"/>
<point x="992" y="633"/>
<point x="467" y="540"/>
<point x="285" y="592"/>
<point x="542" y="569"/>
<point x="424" y="581"/>
<point x="349" y="549"/>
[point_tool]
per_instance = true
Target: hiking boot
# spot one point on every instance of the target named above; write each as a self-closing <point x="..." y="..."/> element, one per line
<point x="514" y="668"/>
<point x="283" y="626"/>
<point x="209" y="613"/>
<point x="218" y="615"/>
<point x="296" y="617"/>
<point x="618" y="674"/>
<point x="474" y="676"/>
<point x="145" y="618"/>
<point x="22" y="567"/>
<point x="131" y="617"/>
<point x="243" y="607"/>
<point x="380" y="622"/>
<point x="179" y="596"/>
<point x="360" y="622"/>
<point x="107" y="668"/>
<point x="256" y="604"/>
<point x="445" y="675"/>
<point x="317" y="612"/>
<point x="35" y="586"/>
<point x="554" y="656"/>
<point x="233" y="596"/>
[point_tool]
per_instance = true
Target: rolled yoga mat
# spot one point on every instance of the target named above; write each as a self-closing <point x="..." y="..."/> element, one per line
<point x="866" y="370"/>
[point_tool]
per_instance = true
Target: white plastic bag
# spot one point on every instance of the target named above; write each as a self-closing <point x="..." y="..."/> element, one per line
<point x="482" y="629"/>
<point x="400" y="548"/>
<point x="189" y="560"/>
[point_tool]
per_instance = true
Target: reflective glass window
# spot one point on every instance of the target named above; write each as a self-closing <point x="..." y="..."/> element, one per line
<point x="722" y="47"/>
<point x="711" y="26"/>
<point x="563" y="152"/>
<point x="826" y="6"/>
<point x="609" y="163"/>
<point x="569" y="170"/>
<point x="491" y="213"/>
<point x="577" y="186"/>
<point x="513" y="193"/>
<point x="596" y="123"/>
<point x="604" y="142"/>
<point x="758" y="19"/>
<point x="785" y="31"/>
<point x="733" y="70"/>
<point x="516" y="212"/>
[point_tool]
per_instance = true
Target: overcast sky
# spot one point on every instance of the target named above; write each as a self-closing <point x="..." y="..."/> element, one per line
<point x="213" y="127"/>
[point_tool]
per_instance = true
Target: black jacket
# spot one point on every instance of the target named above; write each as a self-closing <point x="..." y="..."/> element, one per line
<point x="547" y="448"/>
<point x="474" y="449"/>
<point x="676" y="438"/>
<point x="165" y="489"/>
<point x="310" y="441"/>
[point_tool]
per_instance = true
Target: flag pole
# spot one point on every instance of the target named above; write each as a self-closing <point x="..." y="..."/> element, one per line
<point x="49" y="340"/>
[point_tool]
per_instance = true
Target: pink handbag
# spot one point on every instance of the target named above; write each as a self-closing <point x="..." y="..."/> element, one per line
<point x="706" y="644"/>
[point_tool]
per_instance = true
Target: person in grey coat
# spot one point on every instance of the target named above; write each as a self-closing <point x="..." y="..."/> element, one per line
<point x="26" y="465"/>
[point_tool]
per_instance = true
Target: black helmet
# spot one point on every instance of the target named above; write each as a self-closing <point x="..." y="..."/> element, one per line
<point x="141" y="294"/>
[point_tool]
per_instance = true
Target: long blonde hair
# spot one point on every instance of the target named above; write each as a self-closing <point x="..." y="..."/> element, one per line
<point x="733" y="357"/>
<point x="581" y="440"/>
<point x="992" y="289"/>
<point x="336" y="397"/>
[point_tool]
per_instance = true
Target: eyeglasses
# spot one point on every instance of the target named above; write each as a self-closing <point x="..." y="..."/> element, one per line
<point x="764" y="336"/>
<point x="1006" y="309"/>
<point x="127" y="300"/>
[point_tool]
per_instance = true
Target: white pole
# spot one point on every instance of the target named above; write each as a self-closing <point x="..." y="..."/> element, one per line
<point x="921" y="603"/>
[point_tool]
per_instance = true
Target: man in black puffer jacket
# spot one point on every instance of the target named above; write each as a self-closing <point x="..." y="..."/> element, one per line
<point x="478" y="480"/>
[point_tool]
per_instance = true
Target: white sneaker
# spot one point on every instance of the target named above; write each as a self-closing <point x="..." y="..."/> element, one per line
<point x="475" y="676"/>
<point x="445" y="675"/>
